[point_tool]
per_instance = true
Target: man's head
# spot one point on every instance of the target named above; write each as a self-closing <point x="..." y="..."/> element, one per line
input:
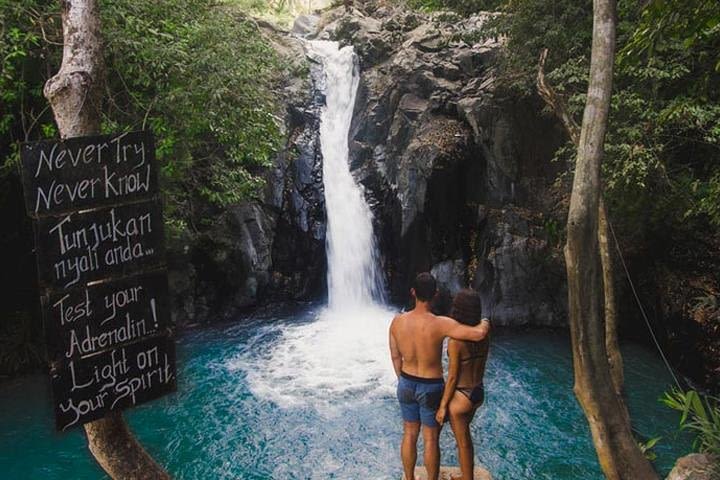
<point x="424" y="287"/>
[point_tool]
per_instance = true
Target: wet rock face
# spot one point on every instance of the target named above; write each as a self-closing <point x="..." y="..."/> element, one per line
<point x="520" y="276"/>
<point x="299" y="264"/>
<point x="456" y="175"/>
<point x="227" y="267"/>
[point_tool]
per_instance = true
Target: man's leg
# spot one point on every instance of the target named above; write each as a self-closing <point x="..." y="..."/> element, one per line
<point x="431" y="439"/>
<point x="408" y="448"/>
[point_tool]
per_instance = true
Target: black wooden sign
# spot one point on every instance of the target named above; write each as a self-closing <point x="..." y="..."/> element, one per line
<point x="82" y="247"/>
<point x="89" y="319"/>
<point x="101" y="258"/>
<point x="85" y="172"/>
<point x="86" y="389"/>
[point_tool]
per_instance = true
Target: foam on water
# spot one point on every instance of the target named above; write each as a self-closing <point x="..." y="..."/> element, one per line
<point x="343" y="354"/>
<point x="330" y="360"/>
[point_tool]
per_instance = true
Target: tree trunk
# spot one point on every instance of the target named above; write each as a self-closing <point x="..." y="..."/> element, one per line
<point x="75" y="92"/>
<point x="612" y="344"/>
<point x="618" y="453"/>
<point x="75" y="95"/>
<point x="554" y="101"/>
<point x="119" y="453"/>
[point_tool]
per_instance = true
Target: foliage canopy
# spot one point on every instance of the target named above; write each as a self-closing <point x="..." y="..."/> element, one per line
<point x="662" y="167"/>
<point x="197" y="72"/>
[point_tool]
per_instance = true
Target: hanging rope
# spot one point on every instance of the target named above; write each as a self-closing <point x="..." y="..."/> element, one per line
<point x="642" y="310"/>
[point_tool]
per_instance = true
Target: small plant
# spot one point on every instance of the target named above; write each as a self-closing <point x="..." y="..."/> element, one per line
<point x="706" y="308"/>
<point x="20" y="346"/>
<point x="700" y="415"/>
<point x="553" y="232"/>
<point x="647" y="448"/>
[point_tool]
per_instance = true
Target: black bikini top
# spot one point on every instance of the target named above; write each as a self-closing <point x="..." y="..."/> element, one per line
<point x="476" y="351"/>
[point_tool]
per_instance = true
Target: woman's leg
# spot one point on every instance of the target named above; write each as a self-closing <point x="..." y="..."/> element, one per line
<point x="461" y="414"/>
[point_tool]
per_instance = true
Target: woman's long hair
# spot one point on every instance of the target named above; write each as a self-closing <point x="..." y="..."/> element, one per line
<point x="467" y="307"/>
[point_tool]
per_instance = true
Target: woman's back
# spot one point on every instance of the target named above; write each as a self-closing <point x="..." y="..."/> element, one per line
<point x="472" y="359"/>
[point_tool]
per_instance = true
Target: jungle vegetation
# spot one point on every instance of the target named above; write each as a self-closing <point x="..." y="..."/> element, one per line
<point x="199" y="73"/>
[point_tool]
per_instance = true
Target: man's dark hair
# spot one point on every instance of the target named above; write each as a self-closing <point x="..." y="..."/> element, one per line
<point x="467" y="307"/>
<point x="425" y="287"/>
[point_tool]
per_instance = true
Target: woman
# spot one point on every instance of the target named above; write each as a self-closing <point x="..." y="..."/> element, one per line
<point x="464" y="391"/>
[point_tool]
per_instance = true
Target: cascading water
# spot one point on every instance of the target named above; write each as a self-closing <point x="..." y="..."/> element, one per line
<point x="353" y="277"/>
<point x="343" y="353"/>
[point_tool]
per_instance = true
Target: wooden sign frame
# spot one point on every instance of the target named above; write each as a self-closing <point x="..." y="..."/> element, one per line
<point x="99" y="238"/>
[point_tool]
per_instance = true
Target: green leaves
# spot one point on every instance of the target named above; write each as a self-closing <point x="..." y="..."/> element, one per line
<point x="200" y="74"/>
<point x="699" y="414"/>
<point x="662" y="164"/>
<point x="647" y="448"/>
<point x="689" y="24"/>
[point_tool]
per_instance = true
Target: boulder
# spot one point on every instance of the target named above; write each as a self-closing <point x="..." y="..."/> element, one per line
<point x="305" y="25"/>
<point x="520" y="277"/>
<point x="696" y="466"/>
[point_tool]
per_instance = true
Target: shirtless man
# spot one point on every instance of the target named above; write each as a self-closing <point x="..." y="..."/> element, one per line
<point x="416" y="339"/>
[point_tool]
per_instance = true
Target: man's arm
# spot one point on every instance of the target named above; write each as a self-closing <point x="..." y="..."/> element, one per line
<point x="394" y="351"/>
<point x="458" y="331"/>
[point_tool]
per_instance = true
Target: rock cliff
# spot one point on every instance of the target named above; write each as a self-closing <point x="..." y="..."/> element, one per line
<point x="458" y="177"/>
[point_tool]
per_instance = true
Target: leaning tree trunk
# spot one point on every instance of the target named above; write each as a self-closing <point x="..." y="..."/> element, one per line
<point x="619" y="455"/>
<point x="558" y="106"/>
<point x="75" y="95"/>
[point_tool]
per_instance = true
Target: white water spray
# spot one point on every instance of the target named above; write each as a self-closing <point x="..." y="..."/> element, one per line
<point x="343" y="354"/>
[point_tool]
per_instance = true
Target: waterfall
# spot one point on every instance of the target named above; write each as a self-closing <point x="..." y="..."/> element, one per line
<point x="354" y="279"/>
<point x="338" y="353"/>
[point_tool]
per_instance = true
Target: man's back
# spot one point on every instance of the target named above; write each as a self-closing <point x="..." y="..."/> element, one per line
<point x="419" y="341"/>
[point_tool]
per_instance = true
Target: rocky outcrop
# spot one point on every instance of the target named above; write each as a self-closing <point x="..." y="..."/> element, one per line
<point x="696" y="466"/>
<point x="455" y="172"/>
<point x="518" y="271"/>
<point x="299" y="262"/>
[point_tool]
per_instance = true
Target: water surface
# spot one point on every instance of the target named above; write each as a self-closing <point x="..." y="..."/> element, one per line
<point x="231" y="420"/>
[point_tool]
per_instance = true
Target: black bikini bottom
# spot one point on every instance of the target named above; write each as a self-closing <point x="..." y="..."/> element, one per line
<point x="476" y="395"/>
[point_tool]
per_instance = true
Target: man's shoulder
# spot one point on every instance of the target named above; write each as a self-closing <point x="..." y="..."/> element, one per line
<point x="443" y="320"/>
<point x="397" y="319"/>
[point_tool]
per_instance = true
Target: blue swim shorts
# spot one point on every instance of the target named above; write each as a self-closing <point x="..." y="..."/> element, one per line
<point x="419" y="398"/>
